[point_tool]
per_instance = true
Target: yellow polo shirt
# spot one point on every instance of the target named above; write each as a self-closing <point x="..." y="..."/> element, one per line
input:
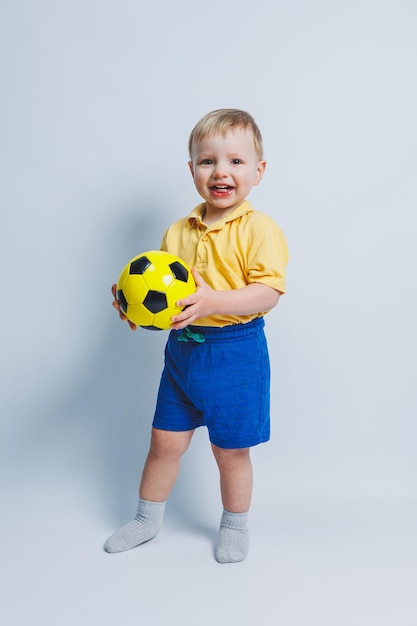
<point x="244" y="247"/>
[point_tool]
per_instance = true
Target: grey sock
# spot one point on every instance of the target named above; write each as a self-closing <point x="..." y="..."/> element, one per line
<point x="144" y="527"/>
<point x="233" y="541"/>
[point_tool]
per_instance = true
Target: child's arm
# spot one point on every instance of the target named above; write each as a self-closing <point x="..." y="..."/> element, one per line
<point x="253" y="298"/>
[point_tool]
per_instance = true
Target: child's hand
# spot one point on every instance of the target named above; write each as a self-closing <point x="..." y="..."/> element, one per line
<point x="199" y="304"/>
<point x="116" y="305"/>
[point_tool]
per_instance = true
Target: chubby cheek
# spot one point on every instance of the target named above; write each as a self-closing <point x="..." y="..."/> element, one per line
<point x="200" y="181"/>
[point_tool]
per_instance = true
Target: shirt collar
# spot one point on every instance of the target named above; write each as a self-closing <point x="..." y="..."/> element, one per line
<point x="242" y="209"/>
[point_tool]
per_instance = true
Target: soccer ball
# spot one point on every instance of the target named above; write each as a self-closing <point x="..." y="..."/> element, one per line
<point x="149" y="287"/>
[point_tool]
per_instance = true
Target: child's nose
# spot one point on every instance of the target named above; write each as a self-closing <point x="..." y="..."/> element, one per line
<point x="220" y="170"/>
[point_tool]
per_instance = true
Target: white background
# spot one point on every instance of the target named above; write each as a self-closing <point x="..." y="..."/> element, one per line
<point x="97" y="102"/>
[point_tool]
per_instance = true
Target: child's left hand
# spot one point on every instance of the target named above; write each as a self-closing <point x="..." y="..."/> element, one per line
<point x="199" y="304"/>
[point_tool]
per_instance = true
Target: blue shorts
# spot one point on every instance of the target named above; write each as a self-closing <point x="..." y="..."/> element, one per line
<point x="222" y="383"/>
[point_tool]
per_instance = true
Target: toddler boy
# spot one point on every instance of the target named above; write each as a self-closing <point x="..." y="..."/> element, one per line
<point x="216" y="372"/>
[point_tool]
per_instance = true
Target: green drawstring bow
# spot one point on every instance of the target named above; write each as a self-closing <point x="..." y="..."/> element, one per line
<point x="189" y="335"/>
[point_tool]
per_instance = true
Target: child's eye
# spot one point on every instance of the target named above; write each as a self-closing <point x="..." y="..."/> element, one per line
<point x="236" y="161"/>
<point x="206" y="162"/>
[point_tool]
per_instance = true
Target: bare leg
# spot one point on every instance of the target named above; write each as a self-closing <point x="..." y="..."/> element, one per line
<point x="236" y="481"/>
<point x="236" y="478"/>
<point x="163" y="463"/>
<point x="158" y="478"/>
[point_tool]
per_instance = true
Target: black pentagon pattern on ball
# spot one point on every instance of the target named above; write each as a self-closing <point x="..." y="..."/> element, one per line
<point x="122" y="300"/>
<point x="180" y="272"/>
<point x="155" y="301"/>
<point x="151" y="327"/>
<point x="140" y="265"/>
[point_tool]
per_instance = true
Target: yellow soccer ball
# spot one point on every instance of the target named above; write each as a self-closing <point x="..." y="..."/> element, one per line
<point x="149" y="287"/>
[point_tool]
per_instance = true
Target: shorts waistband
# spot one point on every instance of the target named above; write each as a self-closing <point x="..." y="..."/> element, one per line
<point x="234" y="331"/>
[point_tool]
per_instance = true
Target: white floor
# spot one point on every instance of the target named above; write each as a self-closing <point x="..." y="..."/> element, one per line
<point x="324" y="562"/>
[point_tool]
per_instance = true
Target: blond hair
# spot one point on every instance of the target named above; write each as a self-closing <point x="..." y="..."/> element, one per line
<point x="222" y="120"/>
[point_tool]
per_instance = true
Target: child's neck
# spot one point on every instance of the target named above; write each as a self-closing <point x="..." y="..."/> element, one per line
<point x="211" y="215"/>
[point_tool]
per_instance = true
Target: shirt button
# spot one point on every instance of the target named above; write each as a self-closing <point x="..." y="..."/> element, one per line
<point x="204" y="238"/>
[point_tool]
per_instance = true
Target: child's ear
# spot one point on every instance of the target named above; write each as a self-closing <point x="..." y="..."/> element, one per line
<point x="190" y="165"/>
<point x="259" y="172"/>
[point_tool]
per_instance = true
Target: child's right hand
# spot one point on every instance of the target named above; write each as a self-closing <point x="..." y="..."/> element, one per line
<point x="116" y="305"/>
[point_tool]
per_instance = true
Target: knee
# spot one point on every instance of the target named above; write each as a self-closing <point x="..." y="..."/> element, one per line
<point x="169" y="444"/>
<point x="228" y="458"/>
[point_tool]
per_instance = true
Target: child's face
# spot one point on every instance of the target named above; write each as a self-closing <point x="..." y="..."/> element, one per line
<point x="225" y="168"/>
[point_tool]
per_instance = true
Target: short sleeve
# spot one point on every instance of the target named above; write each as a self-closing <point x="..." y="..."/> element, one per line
<point x="267" y="253"/>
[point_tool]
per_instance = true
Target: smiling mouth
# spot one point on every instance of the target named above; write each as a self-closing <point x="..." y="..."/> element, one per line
<point x="221" y="188"/>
